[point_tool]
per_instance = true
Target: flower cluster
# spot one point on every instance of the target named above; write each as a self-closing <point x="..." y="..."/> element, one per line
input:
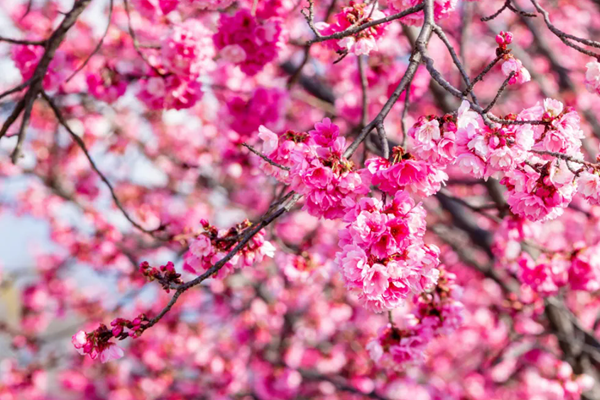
<point x="106" y="84"/>
<point x="383" y="256"/>
<point x="561" y="131"/>
<point x="540" y="192"/>
<point x="318" y="168"/>
<point x="356" y="14"/>
<point x="592" y="77"/>
<point x="483" y="151"/>
<point x="153" y="9"/>
<point x="438" y="312"/>
<point x="96" y="343"/>
<point x="404" y="172"/>
<point x="580" y="270"/>
<point x="166" y="274"/>
<point x="188" y="50"/>
<point x="540" y="187"/>
<point x="441" y="9"/>
<point x="504" y="39"/>
<point x="248" y="42"/>
<point x="265" y="107"/>
<point x="511" y="65"/>
<point x="212" y="245"/>
<point x="124" y="328"/>
<point x="433" y="139"/>
<point x="169" y="92"/>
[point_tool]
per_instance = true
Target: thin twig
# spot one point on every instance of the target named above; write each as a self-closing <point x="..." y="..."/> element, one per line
<point x="28" y="101"/>
<point x="83" y="148"/>
<point x="494" y="15"/>
<point x="482" y="74"/>
<point x="480" y="210"/>
<point x="560" y="33"/>
<point x="136" y="44"/>
<point x="98" y="46"/>
<point x="440" y="33"/>
<point x="298" y="72"/>
<point x="16" y="89"/>
<point x="310" y="19"/>
<point x="502" y="88"/>
<point x="264" y="157"/>
<point x="23" y="42"/>
<point x="565" y="37"/>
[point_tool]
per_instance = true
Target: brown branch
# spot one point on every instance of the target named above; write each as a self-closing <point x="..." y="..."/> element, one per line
<point x="286" y="205"/>
<point x="403" y="117"/>
<point x="355" y="29"/>
<point x="36" y="81"/>
<point x="415" y="60"/>
<point x="364" y="86"/>
<point x="482" y="74"/>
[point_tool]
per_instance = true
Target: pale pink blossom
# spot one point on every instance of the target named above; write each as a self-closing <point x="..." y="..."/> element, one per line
<point x="521" y="75"/>
<point x="592" y="77"/>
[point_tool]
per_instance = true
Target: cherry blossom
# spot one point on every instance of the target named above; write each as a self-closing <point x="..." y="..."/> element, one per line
<point x="393" y="212"/>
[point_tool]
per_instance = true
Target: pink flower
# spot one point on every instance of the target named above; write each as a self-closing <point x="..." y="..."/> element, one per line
<point x="325" y="133"/>
<point x="79" y="340"/>
<point x="170" y="92"/>
<point x="521" y="74"/>
<point x="27" y="57"/>
<point x="233" y="53"/>
<point x="264" y="106"/>
<point x="355" y="15"/>
<point x="375" y="350"/>
<point x="270" y="140"/>
<point x="259" y="40"/>
<point x="441" y="9"/>
<point x="111" y="352"/>
<point x="382" y="252"/>
<point x="592" y="77"/>
<point x="106" y="85"/>
<point x="588" y="185"/>
<point x="415" y="176"/>
<point x="188" y="50"/>
<point x="318" y="170"/>
<point x="471" y="164"/>
<point x="539" y="195"/>
<point x="376" y="280"/>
